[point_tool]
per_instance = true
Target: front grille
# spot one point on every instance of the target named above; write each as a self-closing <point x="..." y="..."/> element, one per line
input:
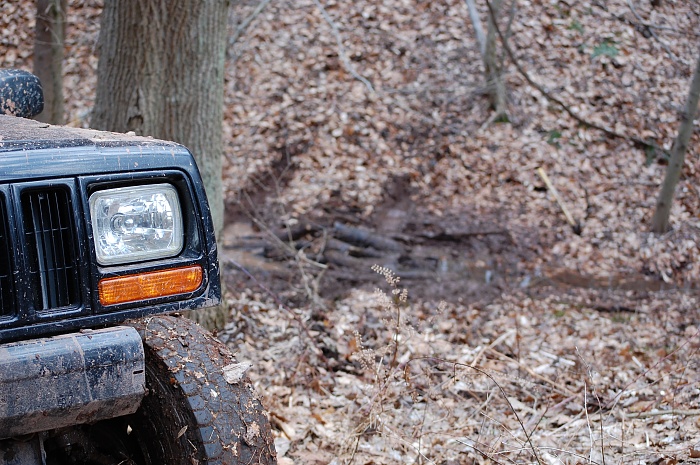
<point x="7" y="302"/>
<point x="51" y="247"/>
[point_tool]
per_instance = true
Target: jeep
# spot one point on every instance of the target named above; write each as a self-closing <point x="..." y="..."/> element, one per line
<point x="105" y="239"/>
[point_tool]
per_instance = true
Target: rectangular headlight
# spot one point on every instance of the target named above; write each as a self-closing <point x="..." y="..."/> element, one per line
<point x="131" y="224"/>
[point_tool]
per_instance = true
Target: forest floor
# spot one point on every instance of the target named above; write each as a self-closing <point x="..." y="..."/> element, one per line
<point x="359" y="134"/>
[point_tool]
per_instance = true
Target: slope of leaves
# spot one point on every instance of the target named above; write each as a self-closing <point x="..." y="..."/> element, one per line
<point x="589" y="353"/>
<point x="293" y="99"/>
<point x="557" y="354"/>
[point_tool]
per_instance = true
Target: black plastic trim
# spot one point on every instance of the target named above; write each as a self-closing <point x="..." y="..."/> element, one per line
<point x="192" y="252"/>
<point x="86" y="169"/>
<point x="8" y="300"/>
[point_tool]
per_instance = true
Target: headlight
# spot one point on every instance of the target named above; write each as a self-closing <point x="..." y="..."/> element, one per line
<point x="138" y="223"/>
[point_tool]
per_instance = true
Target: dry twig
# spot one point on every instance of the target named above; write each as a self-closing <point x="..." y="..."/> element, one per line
<point x="297" y="318"/>
<point x="575" y="225"/>
<point x="243" y="26"/>
<point x="341" y="49"/>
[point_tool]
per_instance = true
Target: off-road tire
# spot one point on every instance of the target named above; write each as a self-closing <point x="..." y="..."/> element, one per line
<point x="191" y="414"/>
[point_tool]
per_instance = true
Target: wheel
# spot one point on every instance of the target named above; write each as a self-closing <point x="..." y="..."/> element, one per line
<point x="191" y="414"/>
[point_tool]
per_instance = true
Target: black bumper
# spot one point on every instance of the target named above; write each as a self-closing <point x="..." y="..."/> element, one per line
<point x="70" y="379"/>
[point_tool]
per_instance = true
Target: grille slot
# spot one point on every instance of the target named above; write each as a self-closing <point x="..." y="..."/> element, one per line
<point x="50" y="239"/>
<point x="7" y="302"/>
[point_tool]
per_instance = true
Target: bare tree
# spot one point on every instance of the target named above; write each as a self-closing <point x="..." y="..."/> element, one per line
<point x="476" y="24"/>
<point x="48" y="56"/>
<point x="660" y="222"/>
<point x="493" y="66"/>
<point x="161" y="74"/>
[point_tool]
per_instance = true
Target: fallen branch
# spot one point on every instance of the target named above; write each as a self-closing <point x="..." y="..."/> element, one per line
<point x="493" y="344"/>
<point x="290" y="250"/>
<point x="460" y="236"/>
<point x="349" y="249"/>
<point x="560" y="103"/>
<point x="653" y="34"/>
<point x="642" y="24"/>
<point x="613" y="308"/>
<point x="658" y="413"/>
<point x="341" y="50"/>
<point x="294" y="233"/>
<point x="364" y="237"/>
<point x="557" y="387"/>
<point x="575" y="225"/>
<point x="345" y="260"/>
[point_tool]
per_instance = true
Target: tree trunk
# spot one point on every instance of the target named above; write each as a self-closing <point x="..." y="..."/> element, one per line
<point x="48" y="56"/>
<point x="161" y="74"/>
<point x="495" y="85"/>
<point x="660" y="222"/>
<point x="494" y="77"/>
<point x="476" y="24"/>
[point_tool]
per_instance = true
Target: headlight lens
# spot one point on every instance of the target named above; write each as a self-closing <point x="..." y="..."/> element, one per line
<point x="138" y="223"/>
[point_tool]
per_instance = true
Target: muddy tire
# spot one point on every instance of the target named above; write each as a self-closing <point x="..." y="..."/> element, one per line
<point x="191" y="414"/>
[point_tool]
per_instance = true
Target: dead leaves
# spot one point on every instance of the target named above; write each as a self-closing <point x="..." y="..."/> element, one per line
<point x="234" y="372"/>
<point x="305" y="138"/>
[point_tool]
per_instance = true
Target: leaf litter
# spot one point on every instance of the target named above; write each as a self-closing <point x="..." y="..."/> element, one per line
<point x="521" y="341"/>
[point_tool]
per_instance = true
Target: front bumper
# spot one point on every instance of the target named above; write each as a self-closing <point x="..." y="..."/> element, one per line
<point x="70" y="379"/>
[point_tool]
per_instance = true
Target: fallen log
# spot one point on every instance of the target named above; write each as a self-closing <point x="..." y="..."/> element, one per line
<point x="296" y="232"/>
<point x="365" y="238"/>
<point x="444" y="236"/>
<point x="352" y="250"/>
<point x="347" y="261"/>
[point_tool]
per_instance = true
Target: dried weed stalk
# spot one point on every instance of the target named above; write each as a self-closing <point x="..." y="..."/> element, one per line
<point x="408" y="398"/>
<point x="383" y="363"/>
<point x="416" y="403"/>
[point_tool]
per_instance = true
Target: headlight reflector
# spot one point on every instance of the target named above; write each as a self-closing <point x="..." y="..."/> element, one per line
<point x="136" y="223"/>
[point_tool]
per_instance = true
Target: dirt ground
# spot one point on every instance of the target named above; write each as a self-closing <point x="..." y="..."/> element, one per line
<point x="520" y="340"/>
<point x="496" y="360"/>
<point x="495" y="364"/>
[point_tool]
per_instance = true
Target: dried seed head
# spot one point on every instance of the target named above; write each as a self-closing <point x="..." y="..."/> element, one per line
<point x="389" y="275"/>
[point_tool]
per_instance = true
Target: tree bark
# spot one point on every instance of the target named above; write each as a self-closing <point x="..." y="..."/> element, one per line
<point x="476" y="24"/>
<point x="48" y="56"/>
<point x="660" y="221"/>
<point x="494" y="77"/>
<point x="493" y="69"/>
<point x="161" y="74"/>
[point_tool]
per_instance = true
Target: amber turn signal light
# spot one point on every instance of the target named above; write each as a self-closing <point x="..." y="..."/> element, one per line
<point x="150" y="285"/>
